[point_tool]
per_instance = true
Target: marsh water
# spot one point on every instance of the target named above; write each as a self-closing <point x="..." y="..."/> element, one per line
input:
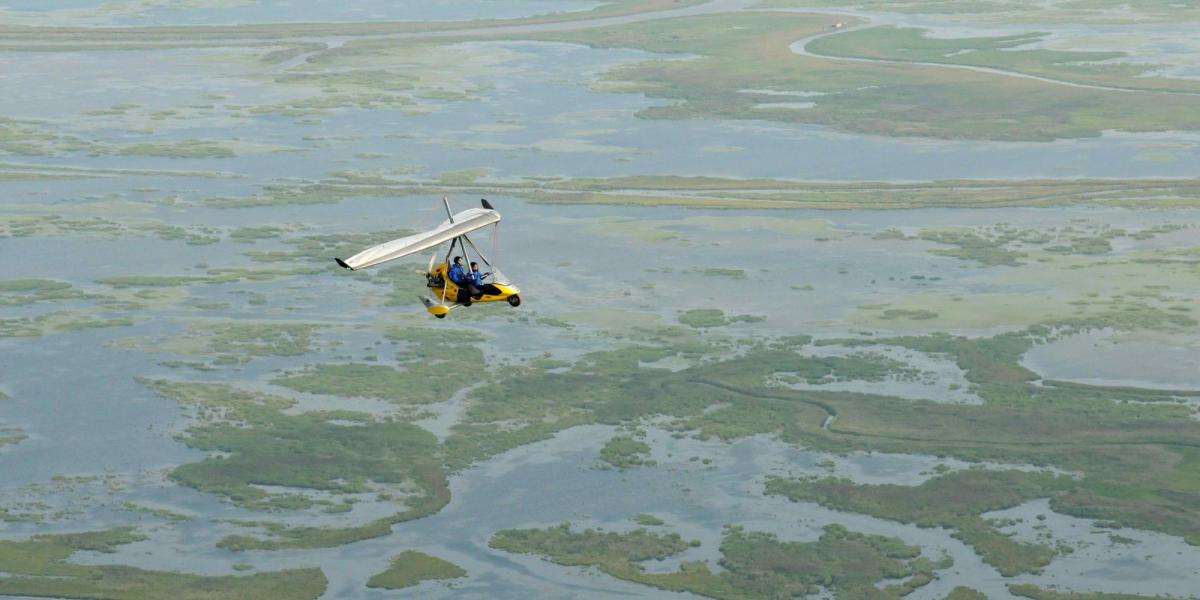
<point x="76" y="395"/>
<point x="531" y="113"/>
<point x="530" y="109"/>
<point x="202" y="12"/>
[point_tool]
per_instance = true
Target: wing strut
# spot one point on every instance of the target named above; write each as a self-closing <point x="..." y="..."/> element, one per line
<point x="467" y="240"/>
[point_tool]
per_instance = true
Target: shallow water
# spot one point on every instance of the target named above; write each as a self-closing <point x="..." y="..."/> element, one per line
<point x="533" y="115"/>
<point x="1102" y="561"/>
<point x="225" y="12"/>
<point x="1105" y="358"/>
<point x="1172" y="45"/>
<point x="530" y="114"/>
<point x="937" y="378"/>
<point x="84" y="412"/>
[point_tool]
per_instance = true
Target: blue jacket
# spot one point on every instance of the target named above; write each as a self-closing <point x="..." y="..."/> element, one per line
<point x="456" y="274"/>
<point x="477" y="278"/>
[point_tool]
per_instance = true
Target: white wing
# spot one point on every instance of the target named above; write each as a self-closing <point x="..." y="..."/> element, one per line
<point x="464" y="222"/>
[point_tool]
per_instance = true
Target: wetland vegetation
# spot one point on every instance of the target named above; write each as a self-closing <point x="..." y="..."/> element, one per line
<point x="623" y="452"/>
<point x="1094" y="432"/>
<point x="1003" y="53"/>
<point x="263" y="446"/>
<point x="410" y="568"/>
<point x="953" y="501"/>
<point x="753" y="564"/>
<point x="10" y="435"/>
<point x="1103" y="12"/>
<point x="712" y="192"/>
<point x="1036" y="593"/>
<point x="431" y="368"/>
<point x="751" y="51"/>
<point x="40" y="567"/>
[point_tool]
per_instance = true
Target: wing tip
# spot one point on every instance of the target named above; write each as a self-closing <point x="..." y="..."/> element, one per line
<point x="341" y="263"/>
<point x="486" y="204"/>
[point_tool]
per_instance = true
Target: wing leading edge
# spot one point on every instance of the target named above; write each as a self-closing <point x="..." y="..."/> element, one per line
<point x="463" y="223"/>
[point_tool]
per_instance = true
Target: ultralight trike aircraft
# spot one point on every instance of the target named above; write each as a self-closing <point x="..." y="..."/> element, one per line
<point x="448" y="294"/>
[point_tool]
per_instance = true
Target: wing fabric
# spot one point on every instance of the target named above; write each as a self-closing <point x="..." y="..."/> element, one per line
<point x="464" y="222"/>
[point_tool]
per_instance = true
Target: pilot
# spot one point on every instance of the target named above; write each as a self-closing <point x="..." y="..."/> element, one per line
<point x="456" y="272"/>
<point x="464" y="281"/>
<point x="477" y="281"/>
<point x="476" y="276"/>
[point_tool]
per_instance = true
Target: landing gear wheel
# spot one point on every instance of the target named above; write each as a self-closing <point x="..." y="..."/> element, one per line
<point x="440" y="316"/>
<point x="514" y="301"/>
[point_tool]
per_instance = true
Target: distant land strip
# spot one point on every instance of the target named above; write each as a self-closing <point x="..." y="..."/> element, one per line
<point x="712" y="192"/>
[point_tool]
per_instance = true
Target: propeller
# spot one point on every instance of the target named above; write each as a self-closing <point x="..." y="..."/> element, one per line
<point x="432" y="258"/>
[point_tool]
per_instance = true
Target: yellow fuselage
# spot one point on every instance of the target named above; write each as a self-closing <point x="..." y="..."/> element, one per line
<point x="447" y="291"/>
